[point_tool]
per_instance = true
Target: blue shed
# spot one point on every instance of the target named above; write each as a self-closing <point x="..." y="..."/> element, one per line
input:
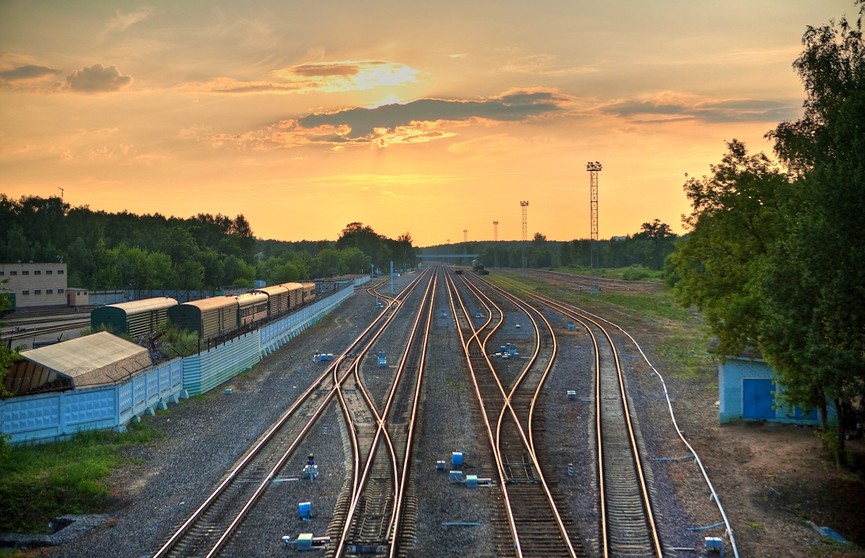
<point x="747" y="390"/>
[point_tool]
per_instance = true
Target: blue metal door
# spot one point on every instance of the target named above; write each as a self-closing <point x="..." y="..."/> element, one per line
<point x="757" y="399"/>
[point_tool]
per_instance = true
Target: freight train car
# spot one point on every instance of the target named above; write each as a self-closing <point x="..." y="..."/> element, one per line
<point x="307" y="292"/>
<point x="295" y="294"/>
<point x="138" y="318"/>
<point x="251" y="307"/>
<point x="277" y="299"/>
<point x="209" y="317"/>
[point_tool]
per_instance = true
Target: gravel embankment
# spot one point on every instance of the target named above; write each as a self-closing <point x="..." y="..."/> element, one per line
<point x="164" y="481"/>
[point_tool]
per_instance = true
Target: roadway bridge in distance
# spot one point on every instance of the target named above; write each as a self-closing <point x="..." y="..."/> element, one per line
<point x="451" y="259"/>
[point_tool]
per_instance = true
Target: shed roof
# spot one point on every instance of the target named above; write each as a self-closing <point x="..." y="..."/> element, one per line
<point x="92" y="360"/>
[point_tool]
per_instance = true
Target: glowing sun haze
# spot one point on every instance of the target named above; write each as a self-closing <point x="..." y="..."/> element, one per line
<point x="426" y="118"/>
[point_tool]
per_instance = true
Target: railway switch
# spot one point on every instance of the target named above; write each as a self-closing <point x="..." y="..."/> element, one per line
<point x="310" y="471"/>
<point x="714" y="547"/>
<point x="456" y="459"/>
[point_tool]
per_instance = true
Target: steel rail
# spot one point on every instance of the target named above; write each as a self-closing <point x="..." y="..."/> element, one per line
<point x="584" y="320"/>
<point x="412" y="422"/>
<point x="380" y="321"/>
<point x="381" y="432"/>
<point x="680" y="434"/>
<point x="455" y="300"/>
<point x="528" y="439"/>
<point x="533" y="403"/>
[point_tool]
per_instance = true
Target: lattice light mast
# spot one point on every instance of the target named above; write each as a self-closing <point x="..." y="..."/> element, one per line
<point x="525" y="206"/>
<point x="594" y="168"/>
<point x="495" y="241"/>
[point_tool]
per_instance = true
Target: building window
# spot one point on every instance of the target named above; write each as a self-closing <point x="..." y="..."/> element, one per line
<point x="37" y="291"/>
<point x="59" y="272"/>
<point x="25" y="272"/>
<point x="37" y="272"/>
<point x="13" y="272"/>
<point x="61" y="291"/>
<point x="49" y="291"/>
<point x="25" y="293"/>
<point x="48" y="272"/>
<point x="2" y="273"/>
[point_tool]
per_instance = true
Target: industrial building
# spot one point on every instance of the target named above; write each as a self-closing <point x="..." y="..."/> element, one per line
<point x="35" y="284"/>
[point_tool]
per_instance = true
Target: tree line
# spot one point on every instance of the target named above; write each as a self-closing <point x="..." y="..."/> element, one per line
<point x="128" y="251"/>
<point x="644" y="250"/>
<point x="775" y="258"/>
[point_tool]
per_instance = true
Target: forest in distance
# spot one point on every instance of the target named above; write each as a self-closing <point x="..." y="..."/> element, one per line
<point x="127" y="251"/>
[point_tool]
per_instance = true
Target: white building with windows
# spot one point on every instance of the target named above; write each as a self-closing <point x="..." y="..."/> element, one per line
<point x="35" y="284"/>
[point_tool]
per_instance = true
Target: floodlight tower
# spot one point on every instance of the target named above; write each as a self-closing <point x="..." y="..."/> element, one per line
<point x="525" y="206"/>
<point x="495" y="241"/>
<point x="594" y="168"/>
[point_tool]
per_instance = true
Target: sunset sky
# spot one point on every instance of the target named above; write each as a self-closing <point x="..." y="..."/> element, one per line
<point x="431" y="118"/>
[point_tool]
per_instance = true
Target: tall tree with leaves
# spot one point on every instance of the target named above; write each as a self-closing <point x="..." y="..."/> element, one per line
<point x="736" y="217"/>
<point x="814" y="288"/>
<point x="776" y="261"/>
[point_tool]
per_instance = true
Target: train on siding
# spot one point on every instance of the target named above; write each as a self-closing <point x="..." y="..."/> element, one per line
<point x="478" y="267"/>
<point x="210" y="318"/>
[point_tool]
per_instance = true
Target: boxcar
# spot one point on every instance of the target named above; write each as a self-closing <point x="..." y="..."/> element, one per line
<point x="251" y="307"/>
<point x="138" y="318"/>
<point x="295" y="293"/>
<point x="308" y="292"/>
<point x="209" y="317"/>
<point x="277" y="299"/>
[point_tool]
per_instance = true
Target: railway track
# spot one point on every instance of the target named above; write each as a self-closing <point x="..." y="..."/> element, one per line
<point x="210" y="528"/>
<point x="34" y="329"/>
<point x="628" y="526"/>
<point x="588" y="283"/>
<point x="376" y="517"/>
<point x="538" y="524"/>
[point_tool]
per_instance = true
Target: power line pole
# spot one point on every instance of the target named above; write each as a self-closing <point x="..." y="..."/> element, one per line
<point x="594" y="168"/>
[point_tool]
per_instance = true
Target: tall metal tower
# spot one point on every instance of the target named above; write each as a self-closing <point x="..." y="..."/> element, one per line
<point x="525" y="206"/>
<point x="465" y="235"/>
<point x="495" y="241"/>
<point x="594" y="168"/>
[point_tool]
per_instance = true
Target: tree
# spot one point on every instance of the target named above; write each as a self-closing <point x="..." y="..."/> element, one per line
<point x="735" y="218"/>
<point x="360" y="236"/>
<point x="776" y="260"/>
<point x="813" y="292"/>
<point x="657" y="233"/>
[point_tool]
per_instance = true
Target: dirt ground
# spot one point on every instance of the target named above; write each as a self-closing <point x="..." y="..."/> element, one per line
<point x="774" y="479"/>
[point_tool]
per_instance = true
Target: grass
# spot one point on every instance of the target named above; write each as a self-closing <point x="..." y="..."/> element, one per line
<point x="683" y="343"/>
<point x="41" y="482"/>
